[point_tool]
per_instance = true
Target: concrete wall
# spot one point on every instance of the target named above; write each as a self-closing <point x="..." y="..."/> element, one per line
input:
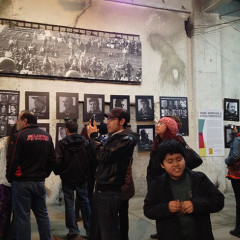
<point x="216" y="71"/>
<point x="202" y="73"/>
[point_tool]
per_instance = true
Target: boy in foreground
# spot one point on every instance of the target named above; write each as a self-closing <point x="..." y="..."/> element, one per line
<point x="181" y="200"/>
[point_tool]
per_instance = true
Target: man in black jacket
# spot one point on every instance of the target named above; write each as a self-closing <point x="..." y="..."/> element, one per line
<point x="112" y="163"/>
<point x="30" y="160"/>
<point x="72" y="155"/>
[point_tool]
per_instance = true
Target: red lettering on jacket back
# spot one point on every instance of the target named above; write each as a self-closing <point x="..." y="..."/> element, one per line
<point x="37" y="137"/>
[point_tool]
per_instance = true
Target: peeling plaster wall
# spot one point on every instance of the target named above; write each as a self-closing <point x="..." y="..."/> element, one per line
<point x="166" y="61"/>
<point x="216" y="74"/>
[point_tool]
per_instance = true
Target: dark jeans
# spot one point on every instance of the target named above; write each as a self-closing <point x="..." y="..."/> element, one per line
<point x="27" y="196"/>
<point x="124" y="221"/>
<point x="82" y="197"/>
<point x="236" y="189"/>
<point x="105" y="220"/>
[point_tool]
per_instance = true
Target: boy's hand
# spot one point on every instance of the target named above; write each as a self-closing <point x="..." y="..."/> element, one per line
<point x="174" y="206"/>
<point x="187" y="207"/>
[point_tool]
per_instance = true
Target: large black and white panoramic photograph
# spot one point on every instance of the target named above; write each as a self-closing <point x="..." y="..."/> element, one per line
<point x="99" y="56"/>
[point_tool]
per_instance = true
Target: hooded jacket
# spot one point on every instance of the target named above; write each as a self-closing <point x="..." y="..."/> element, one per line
<point x="72" y="159"/>
<point x="113" y="159"/>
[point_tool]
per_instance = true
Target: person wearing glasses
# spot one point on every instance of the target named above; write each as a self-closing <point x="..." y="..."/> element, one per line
<point x="113" y="160"/>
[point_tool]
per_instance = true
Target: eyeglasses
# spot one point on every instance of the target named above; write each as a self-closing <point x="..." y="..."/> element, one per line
<point x="111" y="118"/>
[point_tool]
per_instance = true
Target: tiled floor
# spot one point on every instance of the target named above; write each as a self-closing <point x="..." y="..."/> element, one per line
<point x="140" y="226"/>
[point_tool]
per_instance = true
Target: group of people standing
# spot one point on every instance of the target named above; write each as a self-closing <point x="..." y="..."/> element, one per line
<point x="31" y="158"/>
<point x="177" y="197"/>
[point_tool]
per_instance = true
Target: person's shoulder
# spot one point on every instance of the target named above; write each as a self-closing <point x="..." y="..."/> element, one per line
<point x="196" y="174"/>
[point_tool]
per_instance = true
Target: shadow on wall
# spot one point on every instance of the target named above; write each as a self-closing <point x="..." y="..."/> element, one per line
<point x="4" y="5"/>
<point x="172" y="70"/>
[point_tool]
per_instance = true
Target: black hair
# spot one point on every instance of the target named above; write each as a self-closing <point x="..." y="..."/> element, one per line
<point x="170" y="146"/>
<point x="145" y="100"/>
<point x="94" y="99"/>
<point x="72" y="126"/>
<point x="31" y="118"/>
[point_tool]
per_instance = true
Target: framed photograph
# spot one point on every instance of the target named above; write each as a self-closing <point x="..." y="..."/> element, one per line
<point x="231" y="109"/>
<point x="44" y="126"/>
<point x="176" y="106"/>
<point x="144" y="108"/>
<point x="66" y="53"/>
<point x="9" y="110"/>
<point x="147" y="133"/>
<point x="60" y="131"/>
<point x="122" y="101"/>
<point x="67" y="105"/>
<point x="228" y="136"/>
<point x="93" y="107"/>
<point x="38" y="103"/>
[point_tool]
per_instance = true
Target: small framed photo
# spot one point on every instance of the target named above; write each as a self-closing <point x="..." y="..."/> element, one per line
<point x="228" y="136"/>
<point x="44" y="126"/>
<point x="93" y="107"/>
<point x="38" y="103"/>
<point x="231" y="109"/>
<point x="176" y="106"/>
<point x="147" y="133"/>
<point x="60" y="131"/>
<point x="144" y="108"/>
<point x="67" y="105"/>
<point x="122" y="101"/>
<point x="9" y="110"/>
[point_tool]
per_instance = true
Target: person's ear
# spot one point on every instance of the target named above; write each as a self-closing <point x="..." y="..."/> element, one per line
<point x="122" y="121"/>
<point x="25" y="121"/>
<point x="67" y="131"/>
<point x="162" y="165"/>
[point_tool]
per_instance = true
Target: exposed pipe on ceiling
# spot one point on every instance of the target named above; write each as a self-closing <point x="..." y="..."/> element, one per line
<point x="153" y="7"/>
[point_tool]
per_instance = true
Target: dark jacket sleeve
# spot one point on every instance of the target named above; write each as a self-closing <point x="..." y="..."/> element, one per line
<point x="234" y="154"/>
<point x="51" y="159"/>
<point x="156" y="207"/>
<point x="59" y="158"/>
<point x="206" y="198"/>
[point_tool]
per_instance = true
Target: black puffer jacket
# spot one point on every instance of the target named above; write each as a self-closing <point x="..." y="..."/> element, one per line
<point x="113" y="159"/>
<point x="73" y="159"/>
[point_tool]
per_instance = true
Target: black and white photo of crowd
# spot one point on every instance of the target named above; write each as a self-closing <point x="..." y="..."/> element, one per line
<point x="72" y="55"/>
<point x="9" y="109"/>
<point x="176" y="106"/>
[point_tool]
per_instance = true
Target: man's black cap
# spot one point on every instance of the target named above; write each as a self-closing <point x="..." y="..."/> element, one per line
<point x="119" y="113"/>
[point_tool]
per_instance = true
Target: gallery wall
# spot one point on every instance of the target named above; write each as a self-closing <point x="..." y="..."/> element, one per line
<point x="173" y="65"/>
<point x="164" y="51"/>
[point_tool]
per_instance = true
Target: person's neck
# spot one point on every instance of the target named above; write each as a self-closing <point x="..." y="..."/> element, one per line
<point x="118" y="131"/>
